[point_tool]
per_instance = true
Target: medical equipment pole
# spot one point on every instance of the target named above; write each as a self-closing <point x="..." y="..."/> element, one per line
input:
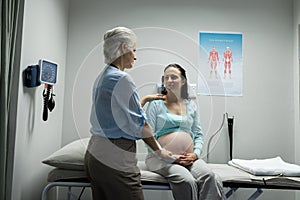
<point x="230" y="133"/>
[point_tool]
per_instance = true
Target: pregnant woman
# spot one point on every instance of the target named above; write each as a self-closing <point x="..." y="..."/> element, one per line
<point x="176" y="125"/>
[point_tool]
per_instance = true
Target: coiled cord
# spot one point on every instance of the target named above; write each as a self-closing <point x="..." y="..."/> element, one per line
<point x="46" y="99"/>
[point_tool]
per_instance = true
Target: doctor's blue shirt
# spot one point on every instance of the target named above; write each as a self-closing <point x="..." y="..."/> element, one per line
<point x="116" y="110"/>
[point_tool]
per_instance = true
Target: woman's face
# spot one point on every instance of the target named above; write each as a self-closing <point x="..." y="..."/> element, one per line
<point x="173" y="80"/>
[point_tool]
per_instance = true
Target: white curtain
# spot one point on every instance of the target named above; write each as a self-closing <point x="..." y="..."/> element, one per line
<point x="11" y="14"/>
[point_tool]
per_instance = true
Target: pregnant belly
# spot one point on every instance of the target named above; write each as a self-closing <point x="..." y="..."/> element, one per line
<point x="177" y="142"/>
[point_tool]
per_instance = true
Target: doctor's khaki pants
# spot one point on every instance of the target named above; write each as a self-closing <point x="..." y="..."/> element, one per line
<point x="111" y="166"/>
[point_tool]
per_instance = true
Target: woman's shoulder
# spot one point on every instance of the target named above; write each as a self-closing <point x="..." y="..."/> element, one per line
<point x="191" y="104"/>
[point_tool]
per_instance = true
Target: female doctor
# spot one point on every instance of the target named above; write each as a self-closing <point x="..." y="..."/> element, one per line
<point x="117" y="121"/>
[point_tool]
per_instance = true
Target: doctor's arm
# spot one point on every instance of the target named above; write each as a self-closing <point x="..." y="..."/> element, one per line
<point x="149" y="139"/>
<point x="152" y="97"/>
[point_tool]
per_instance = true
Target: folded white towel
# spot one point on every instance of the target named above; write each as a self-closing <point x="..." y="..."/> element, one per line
<point x="270" y="166"/>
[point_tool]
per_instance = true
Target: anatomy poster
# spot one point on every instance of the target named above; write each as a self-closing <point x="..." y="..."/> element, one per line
<point x="220" y="64"/>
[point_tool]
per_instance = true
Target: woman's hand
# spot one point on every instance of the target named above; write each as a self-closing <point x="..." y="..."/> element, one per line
<point x="186" y="159"/>
<point x="152" y="97"/>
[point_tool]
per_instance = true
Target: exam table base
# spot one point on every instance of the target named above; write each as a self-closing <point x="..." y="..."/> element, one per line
<point x="145" y="186"/>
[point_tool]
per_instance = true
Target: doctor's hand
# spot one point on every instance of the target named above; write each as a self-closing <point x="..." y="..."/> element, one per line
<point x="166" y="155"/>
<point x="152" y="97"/>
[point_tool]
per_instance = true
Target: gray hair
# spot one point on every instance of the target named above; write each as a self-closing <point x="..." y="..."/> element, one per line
<point x="113" y="40"/>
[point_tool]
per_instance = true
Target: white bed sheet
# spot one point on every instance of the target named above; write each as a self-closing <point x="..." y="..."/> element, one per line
<point x="230" y="174"/>
<point x="265" y="167"/>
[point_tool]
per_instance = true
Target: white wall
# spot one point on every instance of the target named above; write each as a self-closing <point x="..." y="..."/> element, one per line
<point x="264" y="115"/>
<point x="44" y="36"/>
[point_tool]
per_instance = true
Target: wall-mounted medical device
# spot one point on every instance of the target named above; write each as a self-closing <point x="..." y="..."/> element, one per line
<point x="31" y="76"/>
<point x="43" y="73"/>
<point x="48" y="75"/>
<point x="48" y="72"/>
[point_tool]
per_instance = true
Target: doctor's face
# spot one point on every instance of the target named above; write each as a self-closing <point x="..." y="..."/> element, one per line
<point x="129" y="58"/>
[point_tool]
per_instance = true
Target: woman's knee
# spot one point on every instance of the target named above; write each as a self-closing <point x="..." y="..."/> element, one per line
<point x="209" y="175"/>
